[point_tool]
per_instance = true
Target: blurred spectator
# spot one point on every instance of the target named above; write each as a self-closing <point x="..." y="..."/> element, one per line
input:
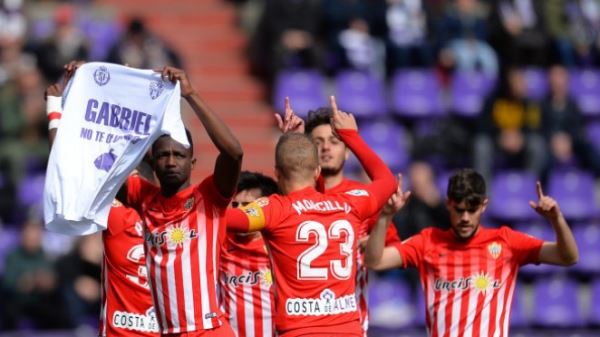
<point x="517" y="32"/>
<point x="462" y="35"/>
<point x="508" y="135"/>
<point x="426" y="206"/>
<point x="30" y="288"/>
<point x="562" y="126"/>
<point x="22" y="119"/>
<point x="66" y="43"/>
<point x="360" y="50"/>
<point x="80" y="277"/>
<point x="286" y="37"/>
<point x="139" y="48"/>
<point x="574" y="26"/>
<point x="408" y="33"/>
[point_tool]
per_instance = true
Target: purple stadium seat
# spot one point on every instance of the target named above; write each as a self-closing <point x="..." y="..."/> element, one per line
<point x="587" y="237"/>
<point x="468" y="92"/>
<point x="306" y="89"/>
<point x="416" y="93"/>
<point x="593" y="134"/>
<point x="594" y="314"/>
<point x="361" y="93"/>
<point x="585" y="86"/>
<point x="536" y="81"/>
<point x="574" y="191"/>
<point x="102" y="34"/>
<point x="388" y="140"/>
<point x="389" y="303"/>
<point x="556" y="303"/>
<point x="519" y="315"/>
<point x="9" y="238"/>
<point x="543" y="231"/>
<point x="30" y="191"/>
<point x="510" y="195"/>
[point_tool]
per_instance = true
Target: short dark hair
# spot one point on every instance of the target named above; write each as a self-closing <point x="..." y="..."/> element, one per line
<point x="188" y="134"/>
<point x="467" y="185"/>
<point x="318" y="117"/>
<point x="250" y="180"/>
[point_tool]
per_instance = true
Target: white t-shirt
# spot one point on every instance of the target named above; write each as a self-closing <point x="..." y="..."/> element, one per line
<point x="111" y="116"/>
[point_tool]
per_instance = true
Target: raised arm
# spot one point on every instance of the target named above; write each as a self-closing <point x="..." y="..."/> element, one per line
<point x="383" y="184"/>
<point x="564" y="251"/>
<point x="377" y="256"/>
<point x="229" y="162"/>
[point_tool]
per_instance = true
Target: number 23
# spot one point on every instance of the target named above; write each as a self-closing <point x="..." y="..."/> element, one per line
<point x="341" y="269"/>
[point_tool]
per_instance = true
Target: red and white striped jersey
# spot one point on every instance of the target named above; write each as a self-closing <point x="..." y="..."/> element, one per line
<point x="183" y="235"/>
<point x="246" y="285"/>
<point x="469" y="286"/>
<point x="127" y="308"/>
<point x="362" y="272"/>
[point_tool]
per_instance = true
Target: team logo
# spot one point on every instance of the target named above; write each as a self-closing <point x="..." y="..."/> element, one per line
<point x="156" y="88"/>
<point x="101" y="75"/>
<point x="495" y="249"/>
<point x="251" y="211"/>
<point x="262" y="202"/>
<point x="358" y="193"/>
<point x="188" y="204"/>
<point x="105" y="161"/>
<point x="482" y="282"/>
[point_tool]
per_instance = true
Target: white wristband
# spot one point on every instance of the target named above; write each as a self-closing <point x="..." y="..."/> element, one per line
<point x="53" y="111"/>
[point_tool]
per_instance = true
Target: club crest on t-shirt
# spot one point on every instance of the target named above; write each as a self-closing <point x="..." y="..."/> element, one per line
<point x="495" y="249"/>
<point x="156" y="88"/>
<point x="101" y="75"/>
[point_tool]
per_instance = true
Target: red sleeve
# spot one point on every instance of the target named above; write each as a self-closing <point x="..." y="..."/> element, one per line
<point x="383" y="181"/>
<point x="525" y="248"/>
<point x="237" y="220"/>
<point x="208" y="186"/>
<point x="411" y="250"/>
<point x="391" y="236"/>
<point x="138" y="189"/>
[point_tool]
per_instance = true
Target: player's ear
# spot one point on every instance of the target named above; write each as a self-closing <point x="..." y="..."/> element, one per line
<point x="193" y="162"/>
<point x="484" y="204"/>
<point x="346" y="154"/>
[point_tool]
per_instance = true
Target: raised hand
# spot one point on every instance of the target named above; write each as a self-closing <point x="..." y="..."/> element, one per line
<point x="174" y="74"/>
<point x="397" y="200"/>
<point x="70" y="69"/>
<point x="339" y="119"/>
<point x="546" y="206"/>
<point x="290" y="122"/>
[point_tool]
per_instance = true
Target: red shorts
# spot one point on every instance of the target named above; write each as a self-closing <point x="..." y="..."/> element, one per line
<point x="222" y="331"/>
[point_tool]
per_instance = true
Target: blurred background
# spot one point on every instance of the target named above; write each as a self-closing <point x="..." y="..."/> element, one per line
<point x="510" y="87"/>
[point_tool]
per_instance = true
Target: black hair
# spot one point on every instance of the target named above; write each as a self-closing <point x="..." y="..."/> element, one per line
<point x="467" y="185"/>
<point x="318" y="117"/>
<point x="250" y="180"/>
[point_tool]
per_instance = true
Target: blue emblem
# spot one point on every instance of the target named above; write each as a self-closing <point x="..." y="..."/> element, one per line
<point x="105" y="161"/>
<point x="156" y="88"/>
<point x="101" y="75"/>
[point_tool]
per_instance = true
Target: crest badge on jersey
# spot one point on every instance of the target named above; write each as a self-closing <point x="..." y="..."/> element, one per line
<point x="495" y="249"/>
<point x="101" y="75"/>
<point x="262" y="202"/>
<point x="188" y="204"/>
<point x="156" y="88"/>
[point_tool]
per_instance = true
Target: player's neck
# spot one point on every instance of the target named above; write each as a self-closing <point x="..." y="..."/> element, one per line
<point x="170" y="190"/>
<point x="331" y="181"/>
<point x="288" y="186"/>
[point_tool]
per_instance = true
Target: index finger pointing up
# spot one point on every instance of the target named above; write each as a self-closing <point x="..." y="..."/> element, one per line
<point x="333" y="104"/>
<point x="540" y="193"/>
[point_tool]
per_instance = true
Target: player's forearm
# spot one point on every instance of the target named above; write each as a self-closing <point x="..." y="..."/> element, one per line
<point x="217" y="130"/>
<point x="565" y="242"/>
<point x="376" y="242"/>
